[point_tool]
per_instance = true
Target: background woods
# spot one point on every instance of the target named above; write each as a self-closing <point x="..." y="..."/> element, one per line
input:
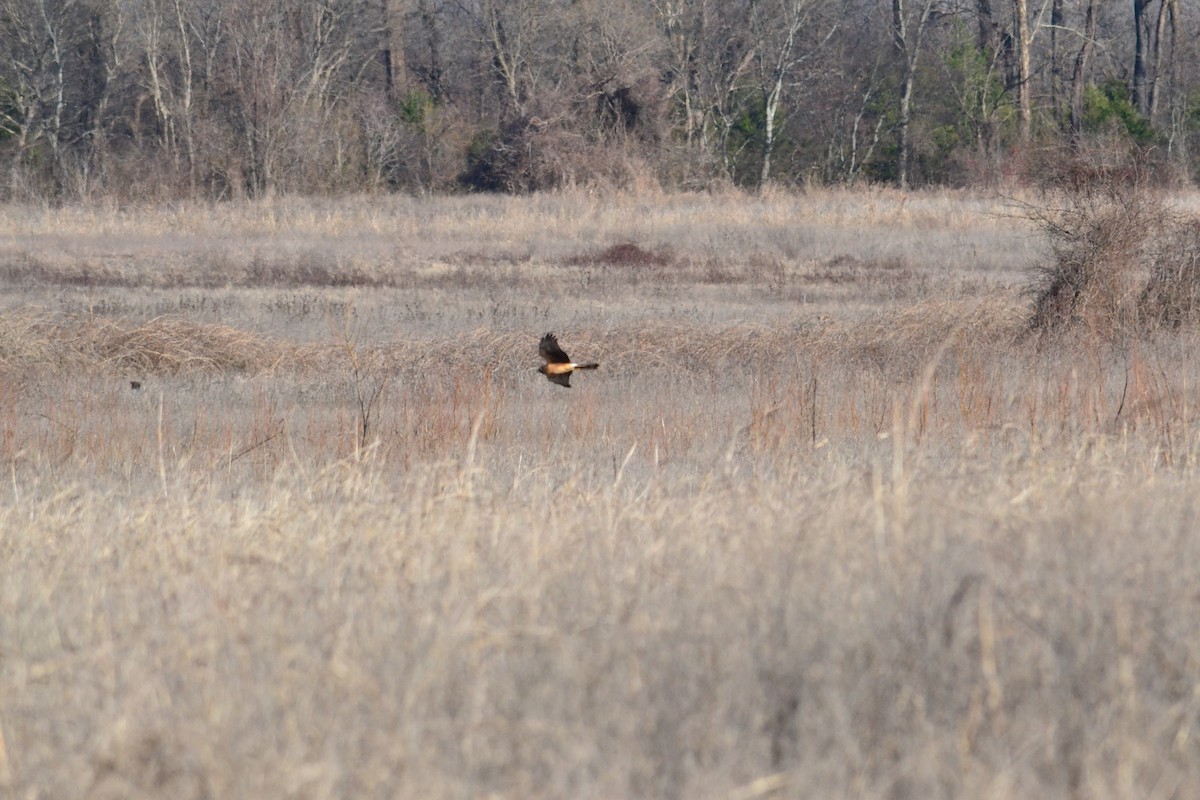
<point x="224" y="98"/>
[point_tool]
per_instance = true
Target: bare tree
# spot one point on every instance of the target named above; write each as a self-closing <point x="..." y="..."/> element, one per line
<point x="855" y="126"/>
<point x="1023" y="38"/>
<point x="511" y="31"/>
<point x="909" y="25"/>
<point x="1164" y="39"/>
<point x="1141" y="33"/>
<point x="613" y="61"/>
<point x="513" y="95"/>
<point x="165" y="34"/>
<point x="429" y="69"/>
<point x="1057" y="28"/>
<point x="683" y="24"/>
<point x="337" y="38"/>
<point x="1166" y="81"/>
<point x="290" y="65"/>
<point x="38" y="42"/>
<point x="106" y="35"/>
<point x="711" y="52"/>
<point x="1079" y="72"/>
<point x="391" y="50"/>
<point x="778" y="28"/>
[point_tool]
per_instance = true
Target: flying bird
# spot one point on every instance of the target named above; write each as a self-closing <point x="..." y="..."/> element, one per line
<point x="558" y="366"/>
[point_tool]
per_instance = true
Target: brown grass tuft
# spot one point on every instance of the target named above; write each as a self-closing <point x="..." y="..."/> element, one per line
<point x="626" y="254"/>
<point x="163" y="345"/>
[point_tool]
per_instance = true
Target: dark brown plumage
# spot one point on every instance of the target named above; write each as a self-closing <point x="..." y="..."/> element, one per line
<point x="558" y="366"/>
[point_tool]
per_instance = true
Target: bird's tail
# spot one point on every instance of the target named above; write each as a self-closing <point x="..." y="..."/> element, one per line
<point x="594" y="365"/>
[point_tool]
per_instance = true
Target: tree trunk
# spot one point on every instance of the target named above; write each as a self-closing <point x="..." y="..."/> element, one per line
<point x="433" y="39"/>
<point x="1141" y="42"/>
<point x="684" y="28"/>
<point x="54" y="34"/>
<point x="988" y="30"/>
<point x="1077" y="76"/>
<point x="1024" y="111"/>
<point x="187" y="77"/>
<point x="903" y="125"/>
<point x="908" y="47"/>
<point x="769" y="112"/>
<point x="1165" y="11"/>
<point x="104" y="36"/>
<point x="1056" y="78"/>
<point x="506" y="47"/>
<point x="156" y="59"/>
<point x="795" y="17"/>
<point x="386" y="57"/>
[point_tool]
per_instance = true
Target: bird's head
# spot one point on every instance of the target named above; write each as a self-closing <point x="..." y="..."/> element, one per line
<point x="542" y="369"/>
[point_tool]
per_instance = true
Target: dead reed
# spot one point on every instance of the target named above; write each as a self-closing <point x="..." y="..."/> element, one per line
<point x="809" y="530"/>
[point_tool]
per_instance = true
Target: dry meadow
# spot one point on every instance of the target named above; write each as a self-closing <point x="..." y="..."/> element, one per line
<point x="829" y="521"/>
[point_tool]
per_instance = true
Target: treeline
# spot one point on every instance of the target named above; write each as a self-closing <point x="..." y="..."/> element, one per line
<point x="231" y="98"/>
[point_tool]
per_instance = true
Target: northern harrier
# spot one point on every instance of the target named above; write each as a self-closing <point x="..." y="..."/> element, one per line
<point x="558" y="366"/>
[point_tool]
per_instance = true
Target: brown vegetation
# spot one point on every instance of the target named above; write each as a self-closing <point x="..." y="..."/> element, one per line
<point x="1123" y="259"/>
<point x="811" y="531"/>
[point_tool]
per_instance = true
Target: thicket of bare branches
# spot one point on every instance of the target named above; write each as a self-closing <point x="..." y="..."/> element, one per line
<point x="227" y="98"/>
<point x="1123" y="259"/>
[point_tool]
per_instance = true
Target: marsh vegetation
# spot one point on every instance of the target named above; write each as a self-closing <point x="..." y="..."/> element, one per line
<point x="834" y="518"/>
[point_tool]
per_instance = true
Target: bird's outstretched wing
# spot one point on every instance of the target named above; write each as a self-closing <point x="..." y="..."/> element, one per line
<point x="552" y="352"/>
<point x="562" y="379"/>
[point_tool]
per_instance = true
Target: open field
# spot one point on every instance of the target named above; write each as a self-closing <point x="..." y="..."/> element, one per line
<point x="828" y="521"/>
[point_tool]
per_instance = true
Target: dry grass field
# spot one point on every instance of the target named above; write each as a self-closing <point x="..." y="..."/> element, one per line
<point x="827" y="522"/>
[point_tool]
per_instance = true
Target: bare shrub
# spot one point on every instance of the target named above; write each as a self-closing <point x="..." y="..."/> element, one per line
<point x="1123" y="260"/>
<point x="525" y="154"/>
<point x="1172" y="296"/>
<point x="1101" y="219"/>
<point x="534" y="153"/>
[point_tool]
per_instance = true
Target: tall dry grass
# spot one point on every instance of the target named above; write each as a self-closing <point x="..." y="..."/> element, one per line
<point x="812" y="528"/>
